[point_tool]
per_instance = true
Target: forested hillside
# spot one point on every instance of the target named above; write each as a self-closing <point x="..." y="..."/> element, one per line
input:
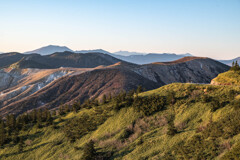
<point x="176" y="121"/>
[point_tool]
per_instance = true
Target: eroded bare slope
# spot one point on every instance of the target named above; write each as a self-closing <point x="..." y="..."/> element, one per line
<point x="94" y="83"/>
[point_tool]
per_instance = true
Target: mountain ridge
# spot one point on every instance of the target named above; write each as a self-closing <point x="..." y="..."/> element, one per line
<point x="114" y="78"/>
<point x="56" y="60"/>
<point x="133" y="57"/>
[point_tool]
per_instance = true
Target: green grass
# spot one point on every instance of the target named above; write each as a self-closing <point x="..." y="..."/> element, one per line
<point x="228" y="78"/>
<point x="50" y="144"/>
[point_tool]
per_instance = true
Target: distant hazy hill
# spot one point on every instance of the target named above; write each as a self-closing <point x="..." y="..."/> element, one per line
<point x="93" y="51"/>
<point x="229" y="62"/>
<point x="49" y="50"/>
<point x="139" y="58"/>
<point x="151" y="57"/>
<point x="127" y="53"/>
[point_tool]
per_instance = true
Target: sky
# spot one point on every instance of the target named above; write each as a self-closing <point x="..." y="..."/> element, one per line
<point x="209" y="28"/>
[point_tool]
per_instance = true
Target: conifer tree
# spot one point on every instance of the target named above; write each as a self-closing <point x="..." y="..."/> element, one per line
<point x="237" y="66"/>
<point x="11" y="123"/>
<point x="66" y="109"/>
<point x="39" y="118"/>
<point x="20" y="145"/>
<point x="2" y="133"/>
<point x="171" y="98"/>
<point x="61" y="110"/>
<point x="49" y="118"/>
<point x="76" y="106"/>
<point x="233" y="64"/>
<point x="104" y="99"/>
<point x="139" y="90"/>
<point x="15" y="137"/>
<point x="96" y="103"/>
<point x="34" y="116"/>
<point x="89" y="152"/>
<point x="109" y="97"/>
<point x="171" y="129"/>
<point x="54" y="113"/>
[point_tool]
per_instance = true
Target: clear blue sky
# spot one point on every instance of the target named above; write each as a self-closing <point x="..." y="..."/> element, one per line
<point x="201" y="27"/>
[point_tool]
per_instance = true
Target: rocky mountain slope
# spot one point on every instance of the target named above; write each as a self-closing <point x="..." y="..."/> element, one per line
<point x="113" y="79"/>
<point x="187" y="69"/>
<point x="80" y="87"/>
<point x="56" y="60"/>
<point x="17" y="84"/>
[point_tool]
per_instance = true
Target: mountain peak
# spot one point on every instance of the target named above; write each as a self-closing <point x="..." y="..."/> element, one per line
<point x="46" y="50"/>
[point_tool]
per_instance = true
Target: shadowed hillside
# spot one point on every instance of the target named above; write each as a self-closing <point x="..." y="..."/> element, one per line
<point x="79" y="88"/>
<point x="112" y="80"/>
<point x="187" y="69"/>
<point x="56" y="60"/>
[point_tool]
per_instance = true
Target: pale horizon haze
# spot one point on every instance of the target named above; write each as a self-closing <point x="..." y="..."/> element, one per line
<point x="208" y="28"/>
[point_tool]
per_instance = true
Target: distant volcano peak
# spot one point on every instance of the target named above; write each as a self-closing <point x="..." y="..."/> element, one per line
<point x="46" y="50"/>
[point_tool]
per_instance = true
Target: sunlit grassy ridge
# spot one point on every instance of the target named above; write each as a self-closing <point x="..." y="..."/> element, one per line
<point x="191" y="114"/>
<point x="228" y="78"/>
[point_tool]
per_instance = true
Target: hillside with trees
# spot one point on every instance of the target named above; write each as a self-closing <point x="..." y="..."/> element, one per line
<point x="176" y="121"/>
<point x="232" y="77"/>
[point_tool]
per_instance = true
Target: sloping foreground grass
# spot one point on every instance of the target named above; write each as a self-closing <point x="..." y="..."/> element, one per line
<point x="148" y="138"/>
<point x="228" y="78"/>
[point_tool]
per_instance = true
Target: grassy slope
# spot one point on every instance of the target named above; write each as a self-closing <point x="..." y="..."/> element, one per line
<point x="48" y="143"/>
<point x="228" y="78"/>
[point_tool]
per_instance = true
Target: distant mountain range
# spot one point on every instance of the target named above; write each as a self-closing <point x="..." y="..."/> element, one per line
<point x="132" y="57"/>
<point x="151" y="57"/>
